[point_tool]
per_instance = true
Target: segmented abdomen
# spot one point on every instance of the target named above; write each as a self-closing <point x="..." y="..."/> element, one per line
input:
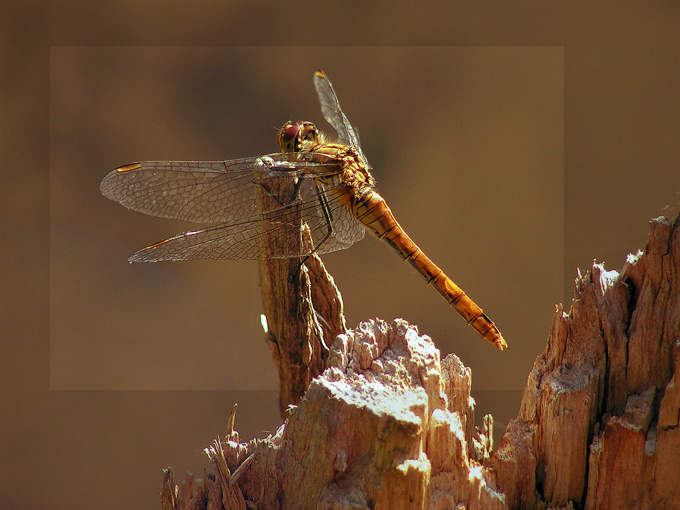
<point x="370" y="208"/>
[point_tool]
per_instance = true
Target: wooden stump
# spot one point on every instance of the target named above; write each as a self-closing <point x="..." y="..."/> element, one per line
<point x="598" y="422"/>
<point x="302" y="306"/>
<point x="390" y="425"/>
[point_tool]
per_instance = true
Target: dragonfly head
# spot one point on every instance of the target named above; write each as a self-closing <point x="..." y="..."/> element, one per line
<point x="298" y="137"/>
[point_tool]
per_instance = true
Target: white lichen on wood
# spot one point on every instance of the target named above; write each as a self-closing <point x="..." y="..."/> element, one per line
<point x="390" y="425"/>
<point x="387" y="425"/>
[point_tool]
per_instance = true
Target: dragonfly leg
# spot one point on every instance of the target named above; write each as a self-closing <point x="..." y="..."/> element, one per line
<point x="296" y="192"/>
<point x="323" y="200"/>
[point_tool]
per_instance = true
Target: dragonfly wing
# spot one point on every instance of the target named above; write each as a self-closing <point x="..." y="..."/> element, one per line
<point x="198" y="191"/>
<point x="330" y="108"/>
<point x="332" y="226"/>
<point x="268" y="236"/>
<point x="233" y="241"/>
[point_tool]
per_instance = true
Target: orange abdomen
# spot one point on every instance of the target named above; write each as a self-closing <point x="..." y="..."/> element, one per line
<point x="370" y="208"/>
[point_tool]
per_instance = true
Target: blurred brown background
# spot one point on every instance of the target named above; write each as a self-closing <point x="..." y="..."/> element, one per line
<point x="513" y="146"/>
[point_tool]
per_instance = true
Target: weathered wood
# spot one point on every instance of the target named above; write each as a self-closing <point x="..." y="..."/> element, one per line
<point x="302" y="306"/>
<point x="601" y="397"/>
<point x="193" y="495"/>
<point x="389" y="425"/>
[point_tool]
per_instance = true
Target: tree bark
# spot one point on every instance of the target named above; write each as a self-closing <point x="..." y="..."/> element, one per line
<point x="390" y="425"/>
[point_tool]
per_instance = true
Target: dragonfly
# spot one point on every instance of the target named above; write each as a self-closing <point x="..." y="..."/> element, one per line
<point x="328" y="184"/>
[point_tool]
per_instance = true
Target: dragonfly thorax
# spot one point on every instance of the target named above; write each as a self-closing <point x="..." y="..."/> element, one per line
<point x="304" y="137"/>
<point x="353" y="168"/>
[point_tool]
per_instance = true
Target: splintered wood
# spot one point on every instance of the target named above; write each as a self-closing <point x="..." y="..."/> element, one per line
<point x="388" y="425"/>
<point x="598" y="423"/>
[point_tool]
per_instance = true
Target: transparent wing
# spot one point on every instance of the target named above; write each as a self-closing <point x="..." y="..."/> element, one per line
<point x="225" y="192"/>
<point x="330" y="108"/>
<point x="199" y="191"/>
<point x="266" y="235"/>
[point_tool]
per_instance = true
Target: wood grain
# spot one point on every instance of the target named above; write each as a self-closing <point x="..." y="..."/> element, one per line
<point x="388" y="425"/>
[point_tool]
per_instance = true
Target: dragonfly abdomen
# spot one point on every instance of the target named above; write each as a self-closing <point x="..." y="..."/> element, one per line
<point x="372" y="210"/>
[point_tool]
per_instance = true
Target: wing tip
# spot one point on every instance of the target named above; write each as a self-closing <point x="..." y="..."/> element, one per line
<point x="145" y="254"/>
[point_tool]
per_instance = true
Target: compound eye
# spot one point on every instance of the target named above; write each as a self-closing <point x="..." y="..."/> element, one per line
<point x="290" y="132"/>
<point x="288" y="136"/>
